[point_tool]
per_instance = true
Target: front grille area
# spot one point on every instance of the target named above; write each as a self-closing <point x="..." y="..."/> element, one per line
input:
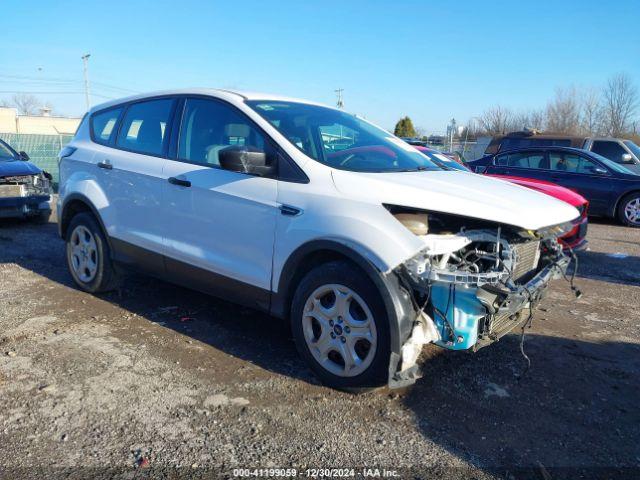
<point x="8" y="191"/>
<point x="527" y="256"/>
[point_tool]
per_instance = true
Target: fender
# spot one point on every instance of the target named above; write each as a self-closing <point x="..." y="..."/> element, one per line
<point x="85" y="200"/>
<point x="397" y="301"/>
<point x="614" y="212"/>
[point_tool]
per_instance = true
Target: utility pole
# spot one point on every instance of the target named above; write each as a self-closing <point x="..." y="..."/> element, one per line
<point x="85" y="67"/>
<point x="340" y="102"/>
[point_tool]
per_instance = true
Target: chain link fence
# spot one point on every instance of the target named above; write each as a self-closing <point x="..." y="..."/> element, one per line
<point x="42" y="149"/>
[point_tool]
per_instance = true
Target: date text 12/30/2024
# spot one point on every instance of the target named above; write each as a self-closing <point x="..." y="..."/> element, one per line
<point x="315" y="473"/>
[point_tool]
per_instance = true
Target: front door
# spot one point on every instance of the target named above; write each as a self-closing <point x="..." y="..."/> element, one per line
<point x="584" y="176"/>
<point x="219" y="225"/>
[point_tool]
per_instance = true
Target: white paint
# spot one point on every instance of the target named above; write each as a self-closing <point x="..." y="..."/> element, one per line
<point x="230" y="223"/>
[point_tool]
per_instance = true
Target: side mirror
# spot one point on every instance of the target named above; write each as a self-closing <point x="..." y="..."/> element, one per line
<point x="627" y="158"/>
<point x="23" y="156"/>
<point x="245" y="159"/>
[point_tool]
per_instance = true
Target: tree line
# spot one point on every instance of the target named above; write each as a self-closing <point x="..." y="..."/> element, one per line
<point x="26" y="104"/>
<point x="608" y="111"/>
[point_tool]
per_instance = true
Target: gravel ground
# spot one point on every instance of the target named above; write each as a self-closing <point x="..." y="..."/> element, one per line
<point x="160" y="381"/>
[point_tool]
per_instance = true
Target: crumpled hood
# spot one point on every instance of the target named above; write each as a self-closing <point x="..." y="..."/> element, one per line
<point x="17" y="167"/>
<point x="459" y="193"/>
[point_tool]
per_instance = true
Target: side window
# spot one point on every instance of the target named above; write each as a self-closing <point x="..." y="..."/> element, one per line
<point x="521" y="160"/>
<point x="570" y="163"/>
<point x="144" y="126"/>
<point x="103" y="123"/>
<point x="209" y="126"/>
<point x="611" y="150"/>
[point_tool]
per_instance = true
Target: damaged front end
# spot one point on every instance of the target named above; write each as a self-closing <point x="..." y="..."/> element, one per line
<point x="25" y="195"/>
<point x="474" y="281"/>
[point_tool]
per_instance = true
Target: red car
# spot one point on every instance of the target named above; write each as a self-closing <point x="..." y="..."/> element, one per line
<point x="576" y="238"/>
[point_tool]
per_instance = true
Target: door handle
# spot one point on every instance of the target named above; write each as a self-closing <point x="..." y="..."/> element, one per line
<point x="179" y="181"/>
<point x="290" y="211"/>
<point x="106" y="164"/>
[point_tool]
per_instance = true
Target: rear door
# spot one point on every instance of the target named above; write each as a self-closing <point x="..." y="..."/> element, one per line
<point x="583" y="175"/>
<point x="526" y="164"/>
<point x="134" y="172"/>
<point x="219" y="225"/>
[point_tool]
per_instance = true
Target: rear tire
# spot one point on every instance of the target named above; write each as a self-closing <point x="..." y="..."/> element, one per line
<point x="629" y="210"/>
<point x="337" y="313"/>
<point x="89" y="256"/>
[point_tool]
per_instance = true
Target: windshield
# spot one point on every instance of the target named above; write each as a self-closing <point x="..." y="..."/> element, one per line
<point x="616" y="167"/>
<point x="633" y="147"/>
<point x="445" y="161"/>
<point x="340" y="140"/>
<point x="6" y="153"/>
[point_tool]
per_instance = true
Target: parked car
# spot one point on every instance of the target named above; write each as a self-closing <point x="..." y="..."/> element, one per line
<point x="576" y="239"/>
<point x="25" y="190"/>
<point x="619" y="150"/>
<point x="611" y="189"/>
<point x="369" y="248"/>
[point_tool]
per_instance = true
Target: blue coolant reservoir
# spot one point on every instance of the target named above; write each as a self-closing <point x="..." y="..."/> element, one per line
<point x="463" y="311"/>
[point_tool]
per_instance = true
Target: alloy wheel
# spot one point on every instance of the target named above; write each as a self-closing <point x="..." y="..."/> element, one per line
<point x="339" y="330"/>
<point x="632" y="211"/>
<point x="83" y="254"/>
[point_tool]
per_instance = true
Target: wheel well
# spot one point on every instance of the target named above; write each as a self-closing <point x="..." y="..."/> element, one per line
<point x="71" y="210"/>
<point x="619" y="201"/>
<point x="307" y="263"/>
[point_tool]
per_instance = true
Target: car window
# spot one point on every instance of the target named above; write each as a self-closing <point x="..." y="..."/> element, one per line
<point x="209" y="126"/>
<point x="340" y="140"/>
<point x="144" y="126"/>
<point x="103" y="123"/>
<point x="608" y="149"/>
<point x="633" y="147"/>
<point x="570" y="163"/>
<point x="526" y="142"/>
<point x="521" y="160"/>
<point x="611" y="165"/>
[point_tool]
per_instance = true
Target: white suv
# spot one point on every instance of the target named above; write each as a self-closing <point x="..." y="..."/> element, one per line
<point x="310" y="214"/>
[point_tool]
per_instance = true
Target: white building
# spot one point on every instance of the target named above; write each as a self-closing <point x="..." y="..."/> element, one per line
<point x="44" y="124"/>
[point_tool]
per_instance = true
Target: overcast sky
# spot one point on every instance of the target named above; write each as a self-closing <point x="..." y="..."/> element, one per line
<point x="431" y="60"/>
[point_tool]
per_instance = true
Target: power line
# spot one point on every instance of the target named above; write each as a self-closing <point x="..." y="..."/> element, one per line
<point x="22" y="92"/>
<point x="34" y="80"/>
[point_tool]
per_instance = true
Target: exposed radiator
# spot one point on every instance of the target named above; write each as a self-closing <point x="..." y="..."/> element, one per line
<point x="527" y="257"/>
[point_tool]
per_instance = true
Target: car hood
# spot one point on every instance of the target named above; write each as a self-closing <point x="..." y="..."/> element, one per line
<point x="12" y="168"/>
<point x="556" y="191"/>
<point x="458" y="193"/>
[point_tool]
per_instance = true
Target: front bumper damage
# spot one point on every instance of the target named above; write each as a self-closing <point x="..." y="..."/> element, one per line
<point x="473" y="287"/>
<point x="25" y="196"/>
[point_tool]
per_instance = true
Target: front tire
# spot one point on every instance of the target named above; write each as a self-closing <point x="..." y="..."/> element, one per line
<point x="340" y="327"/>
<point x="629" y="210"/>
<point x="88" y="255"/>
